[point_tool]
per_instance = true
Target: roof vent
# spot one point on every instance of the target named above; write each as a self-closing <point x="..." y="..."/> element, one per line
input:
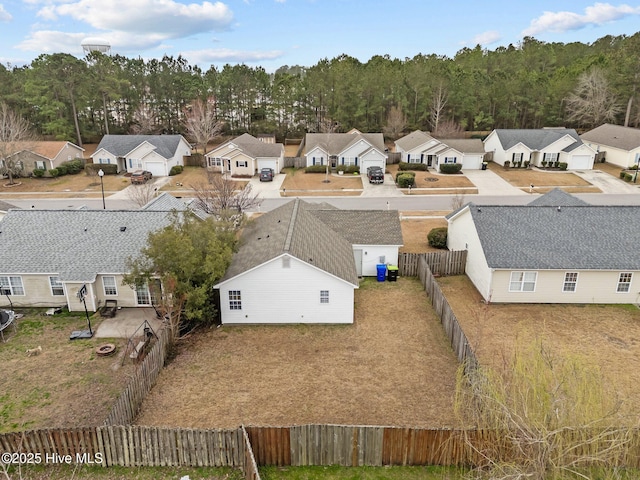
<point x="479" y="209"/>
<point x="122" y="229"/>
<point x="85" y="229"/>
<point x="559" y="209"/>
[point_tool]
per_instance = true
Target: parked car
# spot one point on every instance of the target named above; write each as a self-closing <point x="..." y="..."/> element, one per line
<point x="141" y="176"/>
<point x="375" y="175"/>
<point x="266" y="175"/>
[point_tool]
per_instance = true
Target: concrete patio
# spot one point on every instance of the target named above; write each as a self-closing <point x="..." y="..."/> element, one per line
<point x="126" y="322"/>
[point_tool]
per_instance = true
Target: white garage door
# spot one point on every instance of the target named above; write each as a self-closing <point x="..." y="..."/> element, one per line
<point x="156" y="168"/>
<point x="371" y="163"/>
<point x="268" y="163"/>
<point x="581" y="162"/>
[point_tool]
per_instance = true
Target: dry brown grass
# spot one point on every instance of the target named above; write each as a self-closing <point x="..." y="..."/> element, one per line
<point x="524" y="177"/>
<point x="414" y="233"/>
<point x="66" y="385"/>
<point x="297" y="179"/>
<point x="611" y="169"/>
<point x="607" y="336"/>
<point x="323" y="193"/>
<point x="393" y="366"/>
<point x="429" y="179"/>
<point x="569" y="189"/>
<point x="68" y="183"/>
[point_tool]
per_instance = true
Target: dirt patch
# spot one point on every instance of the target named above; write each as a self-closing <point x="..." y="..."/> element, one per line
<point x="429" y="179"/>
<point x="65" y="385"/>
<point x="607" y="336"/>
<point x="415" y="231"/>
<point x="393" y="366"/>
<point x="524" y="177"/>
<point x="297" y="179"/>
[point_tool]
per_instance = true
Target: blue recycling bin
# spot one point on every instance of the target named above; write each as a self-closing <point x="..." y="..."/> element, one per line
<point x="382" y="272"/>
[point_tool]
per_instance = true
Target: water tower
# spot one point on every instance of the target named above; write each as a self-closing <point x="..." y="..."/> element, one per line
<point x="96" y="44"/>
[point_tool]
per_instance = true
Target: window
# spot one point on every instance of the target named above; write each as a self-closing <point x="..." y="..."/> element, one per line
<point x="214" y="162"/>
<point x="523" y="281"/>
<point x="550" y="157"/>
<point x="20" y="165"/>
<point x="143" y="297"/>
<point x="109" y="284"/>
<point x="241" y="163"/>
<point x="40" y="165"/>
<point x="56" y="286"/>
<point x="11" y="286"/>
<point x="517" y="157"/>
<point x="235" y="300"/>
<point x="105" y="160"/>
<point x="450" y="159"/>
<point x="324" y="296"/>
<point x="570" y="281"/>
<point x="317" y="161"/>
<point x="624" y="282"/>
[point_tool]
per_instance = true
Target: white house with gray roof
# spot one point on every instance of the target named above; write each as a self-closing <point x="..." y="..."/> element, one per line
<point x="621" y="145"/>
<point x="363" y="150"/>
<point x="155" y="153"/>
<point x="300" y="263"/>
<point x="420" y="147"/>
<point x="557" y="249"/>
<point x="48" y="255"/>
<point x="539" y="147"/>
<point x="245" y="156"/>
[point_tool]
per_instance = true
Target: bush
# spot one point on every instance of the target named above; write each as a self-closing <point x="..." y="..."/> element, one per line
<point x="39" y="172"/>
<point x="622" y="174"/>
<point x="413" y="174"/>
<point x="628" y="177"/>
<point x="347" y="168"/>
<point x="526" y="163"/>
<point x="405" y="180"/>
<point x="107" y="168"/>
<point x="175" y="170"/>
<point x="507" y="164"/>
<point x="315" y="169"/>
<point x="437" y="237"/>
<point x="633" y="167"/>
<point x="544" y="163"/>
<point x="562" y="165"/>
<point x="73" y="166"/>
<point x="450" y="168"/>
<point x="62" y="170"/>
<point x="419" y="167"/>
<point x="54" y="172"/>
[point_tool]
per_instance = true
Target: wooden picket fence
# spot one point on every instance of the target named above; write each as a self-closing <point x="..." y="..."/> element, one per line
<point x="128" y="404"/>
<point x="440" y="263"/>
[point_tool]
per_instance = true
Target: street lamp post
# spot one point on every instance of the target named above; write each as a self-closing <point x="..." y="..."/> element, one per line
<point x="101" y="174"/>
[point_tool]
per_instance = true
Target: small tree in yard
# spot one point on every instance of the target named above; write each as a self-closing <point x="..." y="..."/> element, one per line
<point x="551" y="416"/>
<point x="14" y="132"/>
<point x="142" y="194"/>
<point x="188" y="257"/>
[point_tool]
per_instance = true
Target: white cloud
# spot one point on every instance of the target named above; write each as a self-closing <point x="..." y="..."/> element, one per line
<point x="4" y="15"/>
<point x="597" y="14"/>
<point x="47" y="41"/>
<point x="486" y="38"/>
<point x="229" y="55"/>
<point x="165" y="18"/>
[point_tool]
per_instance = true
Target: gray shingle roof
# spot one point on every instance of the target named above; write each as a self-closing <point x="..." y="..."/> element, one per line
<point x="364" y="227"/>
<point x="293" y="229"/>
<point x="121" y="145"/>
<point x="536" y="139"/>
<point x="257" y="148"/>
<point x="572" y="237"/>
<point x="165" y="202"/>
<point x="413" y="140"/>
<point x="334" y="143"/>
<point x="5" y="206"/>
<point x="465" y="145"/>
<point x="75" y="245"/>
<point x="557" y="198"/>
<point x="625" y="138"/>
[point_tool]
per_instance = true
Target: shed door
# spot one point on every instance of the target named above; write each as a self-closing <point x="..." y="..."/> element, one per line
<point x="357" y="255"/>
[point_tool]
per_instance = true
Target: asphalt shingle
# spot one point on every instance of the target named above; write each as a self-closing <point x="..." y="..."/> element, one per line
<point x="122" y="145"/>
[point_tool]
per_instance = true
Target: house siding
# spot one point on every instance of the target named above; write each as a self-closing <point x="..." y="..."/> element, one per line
<point x="318" y="153"/>
<point x="37" y="292"/>
<point x="272" y="294"/>
<point x="248" y="170"/>
<point x="593" y="286"/>
<point x="371" y="257"/>
<point x="617" y="156"/>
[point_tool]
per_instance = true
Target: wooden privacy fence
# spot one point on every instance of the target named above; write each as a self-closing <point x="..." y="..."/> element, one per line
<point x="440" y="263"/>
<point x="296" y="162"/>
<point x="393" y="158"/>
<point x="128" y="404"/>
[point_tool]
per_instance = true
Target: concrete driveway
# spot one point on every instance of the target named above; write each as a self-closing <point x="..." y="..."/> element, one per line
<point x="267" y="189"/>
<point x="608" y="183"/>
<point x="490" y="183"/>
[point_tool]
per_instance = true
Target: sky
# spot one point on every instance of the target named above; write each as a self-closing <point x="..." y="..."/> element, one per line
<point x="273" y="33"/>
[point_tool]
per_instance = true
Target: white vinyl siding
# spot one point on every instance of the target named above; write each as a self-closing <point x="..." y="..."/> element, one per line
<point x="56" y="286"/>
<point x="11" y="286"/>
<point x="624" y="282"/>
<point x="109" y="285"/>
<point x="570" y="282"/>
<point x="523" y="281"/>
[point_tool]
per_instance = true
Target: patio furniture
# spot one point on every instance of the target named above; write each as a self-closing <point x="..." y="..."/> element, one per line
<point x="6" y="319"/>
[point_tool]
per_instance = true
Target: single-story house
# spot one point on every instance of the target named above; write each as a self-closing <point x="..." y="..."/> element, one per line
<point x="300" y="263"/>
<point x="245" y="156"/>
<point x="154" y="153"/>
<point x="621" y="145"/>
<point x="556" y="249"/>
<point x="540" y="147"/>
<point x="43" y="155"/>
<point x="420" y="147"/>
<point x="354" y="148"/>
<point x="51" y="254"/>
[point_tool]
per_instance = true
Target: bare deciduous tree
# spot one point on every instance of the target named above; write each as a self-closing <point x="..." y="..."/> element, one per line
<point x="14" y="132"/>
<point x="396" y="122"/>
<point x="142" y="194"/>
<point x="448" y="129"/>
<point x="145" y="121"/>
<point x="200" y="123"/>
<point x="221" y="197"/>
<point x="439" y="101"/>
<point x="593" y="102"/>
<point x="457" y="201"/>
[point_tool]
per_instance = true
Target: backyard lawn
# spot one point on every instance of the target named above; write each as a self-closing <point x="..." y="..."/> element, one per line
<point x="393" y="366"/>
<point x="607" y="336"/>
<point x="66" y="385"/>
<point x="415" y="231"/>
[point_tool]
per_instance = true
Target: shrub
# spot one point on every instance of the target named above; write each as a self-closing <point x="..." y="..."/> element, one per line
<point x="628" y="177"/>
<point x="73" y="166"/>
<point x="54" y="172"/>
<point x="562" y="165"/>
<point x="526" y="163"/>
<point x="39" y="172"/>
<point x="316" y="169"/>
<point x="544" y="163"/>
<point x="405" y="180"/>
<point x="556" y="163"/>
<point x="175" y="170"/>
<point x="345" y="168"/>
<point x="413" y="174"/>
<point x="420" y="167"/>
<point x="107" y="168"/>
<point x="622" y="174"/>
<point x="62" y="170"/>
<point x="633" y="167"/>
<point x="437" y="237"/>
<point x="450" y="168"/>
<point x="507" y="164"/>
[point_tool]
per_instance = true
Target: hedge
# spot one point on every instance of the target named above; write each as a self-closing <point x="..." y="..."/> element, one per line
<point x="404" y="166"/>
<point x="451" y="167"/>
<point x="348" y="168"/>
<point x="315" y="169"/>
<point x="107" y="168"/>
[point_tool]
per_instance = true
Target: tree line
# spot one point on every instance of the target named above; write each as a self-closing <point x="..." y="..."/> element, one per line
<point x="529" y="85"/>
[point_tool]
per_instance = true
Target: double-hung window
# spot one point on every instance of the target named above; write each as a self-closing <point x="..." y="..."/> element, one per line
<point x="11" y="286"/>
<point x="56" y="286"/>
<point x="109" y="284"/>
<point x="624" y="282"/>
<point x="570" y="282"/>
<point x="523" y="281"/>
<point x="235" y="300"/>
